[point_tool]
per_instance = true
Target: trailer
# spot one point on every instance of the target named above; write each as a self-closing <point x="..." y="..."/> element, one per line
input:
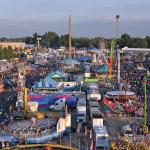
<point x="81" y="110"/>
<point x="97" y="120"/>
<point x="94" y="110"/>
<point x="101" y="137"/>
<point x="93" y="104"/>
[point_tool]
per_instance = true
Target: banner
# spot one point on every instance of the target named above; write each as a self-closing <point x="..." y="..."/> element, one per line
<point x="68" y="120"/>
<point x="61" y="125"/>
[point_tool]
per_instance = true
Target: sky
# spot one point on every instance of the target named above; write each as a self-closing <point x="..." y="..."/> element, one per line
<point x="90" y="18"/>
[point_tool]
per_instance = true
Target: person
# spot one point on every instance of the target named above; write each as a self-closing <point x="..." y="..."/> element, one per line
<point x="11" y="119"/>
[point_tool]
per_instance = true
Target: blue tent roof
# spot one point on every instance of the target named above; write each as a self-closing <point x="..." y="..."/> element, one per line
<point x="6" y="138"/>
<point x="102" y="68"/>
<point x="69" y="61"/>
<point x="46" y="83"/>
<point x="93" y="49"/>
<point x="84" y="58"/>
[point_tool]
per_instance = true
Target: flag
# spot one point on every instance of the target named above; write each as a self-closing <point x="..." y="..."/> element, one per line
<point x="86" y="130"/>
<point x="91" y="133"/>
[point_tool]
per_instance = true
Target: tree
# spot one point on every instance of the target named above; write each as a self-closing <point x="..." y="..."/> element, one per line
<point x="64" y="40"/>
<point x="82" y="42"/>
<point x="95" y="42"/>
<point x="125" y="41"/>
<point x="35" y="36"/>
<point x="6" y="53"/>
<point x="30" y="40"/>
<point x="3" y="39"/>
<point x="147" y="39"/>
<point x="139" y="43"/>
<point x="50" y="39"/>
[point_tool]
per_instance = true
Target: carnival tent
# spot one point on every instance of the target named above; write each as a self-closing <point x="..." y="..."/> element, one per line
<point x="84" y="59"/>
<point x="45" y="100"/>
<point x="56" y="74"/>
<point x="7" y="138"/>
<point x="93" y="49"/>
<point x="69" y="61"/>
<point x="116" y="93"/>
<point x="102" y="68"/>
<point x="46" y="83"/>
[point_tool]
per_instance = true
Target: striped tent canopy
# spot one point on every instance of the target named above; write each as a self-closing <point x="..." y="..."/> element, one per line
<point x="46" y="83"/>
<point x="56" y="74"/>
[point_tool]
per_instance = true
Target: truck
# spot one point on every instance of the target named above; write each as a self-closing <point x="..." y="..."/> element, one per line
<point x="93" y="104"/>
<point x="101" y="137"/>
<point x="18" y="115"/>
<point x="94" y="95"/>
<point x="97" y="119"/>
<point x="81" y="109"/>
<point x="81" y="113"/>
<point x="81" y="100"/>
<point x="94" y="110"/>
<point x="60" y="104"/>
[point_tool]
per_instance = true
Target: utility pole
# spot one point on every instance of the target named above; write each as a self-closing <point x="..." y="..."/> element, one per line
<point x="118" y="51"/>
<point x="70" y="35"/>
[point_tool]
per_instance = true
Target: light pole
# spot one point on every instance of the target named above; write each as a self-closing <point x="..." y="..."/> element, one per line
<point x="38" y="39"/>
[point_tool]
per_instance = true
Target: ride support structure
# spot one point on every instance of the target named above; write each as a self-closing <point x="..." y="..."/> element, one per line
<point x="113" y="43"/>
<point x="145" y="105"/>
<point x="25" y="102"/>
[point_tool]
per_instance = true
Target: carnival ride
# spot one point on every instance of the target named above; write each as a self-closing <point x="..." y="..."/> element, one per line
<point x="120" y="101"/>
<point x="113" y="43"/>
<point x="129" y="143"/>
<point x="37" y="141"/>
<point x="43" y="146"/>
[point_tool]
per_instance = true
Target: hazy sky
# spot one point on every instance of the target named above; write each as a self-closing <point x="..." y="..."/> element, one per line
<point x="89" y="17"/>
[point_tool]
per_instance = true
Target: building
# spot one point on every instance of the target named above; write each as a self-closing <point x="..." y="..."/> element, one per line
<point x="14" y="45"/>
<point x="136" y="49"/>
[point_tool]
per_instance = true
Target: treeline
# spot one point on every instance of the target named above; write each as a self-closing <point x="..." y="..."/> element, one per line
<point x="6" y="53"/>
<point x="53" y="40"/>
<point x="128" y="41"/>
